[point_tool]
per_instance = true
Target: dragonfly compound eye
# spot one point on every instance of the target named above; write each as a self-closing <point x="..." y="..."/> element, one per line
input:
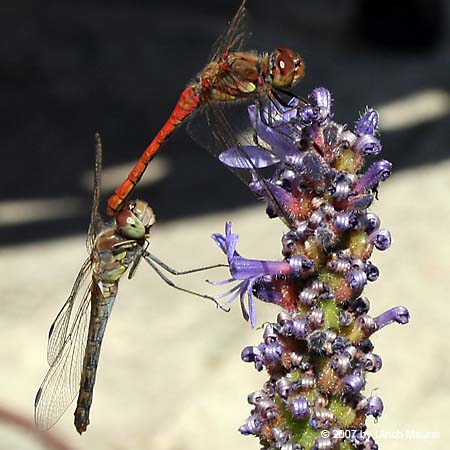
<point x="129" y="225"/>
<point x="286" y="68"/>
<point x="144" y="213"/>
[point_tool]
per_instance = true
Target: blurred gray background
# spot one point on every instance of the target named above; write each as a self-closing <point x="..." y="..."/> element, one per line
<point x="170" y="375"/>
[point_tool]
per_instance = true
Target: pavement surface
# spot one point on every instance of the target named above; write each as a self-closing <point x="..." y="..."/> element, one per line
<point x="170" y="374"/>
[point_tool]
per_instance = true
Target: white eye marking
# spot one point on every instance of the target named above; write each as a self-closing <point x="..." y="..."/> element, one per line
<point x="282" y="65"/>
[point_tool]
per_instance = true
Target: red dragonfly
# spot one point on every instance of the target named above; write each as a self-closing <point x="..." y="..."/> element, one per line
<point x="75" y="340"/>
<point x="232" y="76"/>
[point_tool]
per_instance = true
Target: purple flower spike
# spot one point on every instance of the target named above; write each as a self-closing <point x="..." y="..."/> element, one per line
<point x="398" y="314"/>
<point x="378" y="171"/>
<point x="381" y="239"/>
<point x="367" y="144"/>
<point x="367" y="124"/>
<point x="313" y="174"/>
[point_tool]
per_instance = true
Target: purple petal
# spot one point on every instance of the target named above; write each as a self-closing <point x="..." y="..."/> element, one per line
<point x="344" y="221"/>
<point x="249" y="354"/>
<point x="278" y="134"/>
<point x="398" y="314"/>
<point x="299" y="264"/>
<point x="340" y="188"/>
<point x="340" y="363"/>
<point x="300" y="408"/>
<point x="360" y="202"/>
<point x="367" y="144"/>
<point x="221" y="282"/>
<point x="235" y="290"/>
<point x="356" y="279"/>
<point x="248" y="157"/>
<point x="273" y="353"/>
<point x="277" y="198"/>
<point x="283" y="387"/>
<point x="309" y="114"/>
<point x="377" y="172"/>
<point x="353" y="383"/>
<point x="372" y="271"/>
<point x="242" y="302"/>
<point x="373" y="222"/>
<point x="367" y="124"/>
<point x="220" y="240"/>
<point x="375" y="407"/>
<point x="265" y="292"/>
<point x="252" y="425"/>
<point x="227" y="227"/>
<point x="251" y="306"/>
<point x="371" y="362"/>
<point x="300" y="328"/>
<point x="244" y="269"/>
<point x="381" y="239"/>
<point x="321" y="97"/>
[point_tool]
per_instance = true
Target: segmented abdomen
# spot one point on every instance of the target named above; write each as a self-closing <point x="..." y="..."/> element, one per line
<point x="102" y="300"/>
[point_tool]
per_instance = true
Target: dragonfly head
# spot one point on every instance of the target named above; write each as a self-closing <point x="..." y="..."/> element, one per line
<point x="135" y="219"/>
<point x="286" y="68"/>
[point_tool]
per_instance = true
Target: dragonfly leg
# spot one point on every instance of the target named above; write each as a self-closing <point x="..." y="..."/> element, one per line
<point x="169" y="282"/>
<point x="289" y="95"/>
<point x="125" y="245"/>
<point x="180" y="272"/>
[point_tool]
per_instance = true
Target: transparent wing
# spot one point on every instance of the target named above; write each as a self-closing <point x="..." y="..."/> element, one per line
<point x="57" y="335"/>
<point x="233" y="39"/>
<point x="62" y="381"/>
<point x="96" y="221"/>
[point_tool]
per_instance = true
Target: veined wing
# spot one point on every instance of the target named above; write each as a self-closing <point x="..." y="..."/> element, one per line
<point x="62" y="381"/>
<point x="58" y="331"/>
<point x="57" y="335"/>
<point x="234" y="36"/>
<point x="96" y="222"/>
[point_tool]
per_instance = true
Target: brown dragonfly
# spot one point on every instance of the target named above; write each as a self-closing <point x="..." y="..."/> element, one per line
<point x="76" y="335"/>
